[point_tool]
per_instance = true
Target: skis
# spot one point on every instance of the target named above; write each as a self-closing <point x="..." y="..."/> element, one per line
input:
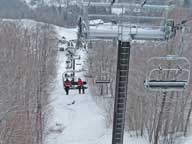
<point x="73" y="102"/>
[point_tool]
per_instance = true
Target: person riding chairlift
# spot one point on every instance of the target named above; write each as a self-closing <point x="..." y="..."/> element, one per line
<point x="80" y="86"/>
<point x="67" y="85"/>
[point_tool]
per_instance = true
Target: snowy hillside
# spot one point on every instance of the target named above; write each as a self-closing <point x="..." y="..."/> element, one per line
<point x="69" y="33"/>
<point x="62" y="3"/>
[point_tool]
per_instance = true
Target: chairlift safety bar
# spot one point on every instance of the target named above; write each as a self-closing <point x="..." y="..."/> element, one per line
<point x="187" y="71"/>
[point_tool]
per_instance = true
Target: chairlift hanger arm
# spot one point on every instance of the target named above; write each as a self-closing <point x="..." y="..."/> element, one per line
<point x="186" y="20"/>
<point x="183" y="22"/>
<point x="181" y="25"/>
<point x="113" y="1"/>
<point x="144" y="2"/>
<point x="169" y="58"/>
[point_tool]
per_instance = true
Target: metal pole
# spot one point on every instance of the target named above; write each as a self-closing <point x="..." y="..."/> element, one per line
<point x="73" y="67"/>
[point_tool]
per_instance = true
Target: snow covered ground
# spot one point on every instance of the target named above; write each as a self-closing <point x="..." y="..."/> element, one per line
<point x="79" y="123"/>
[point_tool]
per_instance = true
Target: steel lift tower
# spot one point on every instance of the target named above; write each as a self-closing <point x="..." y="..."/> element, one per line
<point x="103" y="21"/>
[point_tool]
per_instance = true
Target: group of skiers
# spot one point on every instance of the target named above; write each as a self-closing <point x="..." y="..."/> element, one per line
<point x="68" y="84"/>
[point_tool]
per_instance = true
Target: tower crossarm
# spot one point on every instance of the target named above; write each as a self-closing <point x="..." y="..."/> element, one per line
<point x="108" y="31"/>
<point x="120" y="5"/>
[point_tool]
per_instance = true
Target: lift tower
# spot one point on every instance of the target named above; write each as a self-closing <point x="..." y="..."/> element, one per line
<point x="102" y="21"/>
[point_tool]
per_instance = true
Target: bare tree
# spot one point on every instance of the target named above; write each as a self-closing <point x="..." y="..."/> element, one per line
<point x="28" y="65"/>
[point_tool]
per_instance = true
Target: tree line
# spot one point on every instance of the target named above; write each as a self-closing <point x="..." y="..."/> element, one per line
<point x="61" y="15"/>
<point x="27" y="61"/>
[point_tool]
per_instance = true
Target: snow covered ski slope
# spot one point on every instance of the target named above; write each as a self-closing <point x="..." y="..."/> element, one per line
<point x="78" y="123"/>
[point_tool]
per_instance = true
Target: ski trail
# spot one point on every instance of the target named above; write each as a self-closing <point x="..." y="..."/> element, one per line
<point x="82" y="122"/>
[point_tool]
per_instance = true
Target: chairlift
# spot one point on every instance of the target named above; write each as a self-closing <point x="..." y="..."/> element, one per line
<point x="68" y="64"/>
<point x="172" y="73"/>
<point x="104" y="78"/>
<point x="61" y="49"/>
<point x="102" y="81"/>
<point x="107" y="30"/>
<point x="69" y="75"/>
<point x="70" y="50"/>
<point x="68" y="61"/>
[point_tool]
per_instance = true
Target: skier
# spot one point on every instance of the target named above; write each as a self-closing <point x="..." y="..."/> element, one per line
<point x="80" y="86"/>
<point x="67" y="85"/>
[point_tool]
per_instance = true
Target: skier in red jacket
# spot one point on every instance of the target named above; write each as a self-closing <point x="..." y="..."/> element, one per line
<point x="80" y="86"/>
<point x="67" y="85"/>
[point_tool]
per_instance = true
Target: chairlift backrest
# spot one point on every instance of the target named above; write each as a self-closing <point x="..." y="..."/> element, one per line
<point x="170" y="73"/>
<point x="103" y="78"/>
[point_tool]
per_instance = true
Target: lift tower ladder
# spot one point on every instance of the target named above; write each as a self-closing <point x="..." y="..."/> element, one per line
<point x="124" y="32"/>
<point x="121" y="91"/>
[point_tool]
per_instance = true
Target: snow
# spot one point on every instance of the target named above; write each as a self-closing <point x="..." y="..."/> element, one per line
<point x="81" y="122"/>
<point x="25" y="22"/>
<point x="96" y="22"/>
<point x="61" y="3"/>
<point x="70" y="34"/>
<point x="188" y="140"/>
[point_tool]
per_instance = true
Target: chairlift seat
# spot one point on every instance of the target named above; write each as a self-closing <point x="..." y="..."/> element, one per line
<point x="74" y="88"/>
<point x="180" y="74"/>
<point x="166" y="84"/>
<point x="61" y="49"/>
<point x="68" y="61"/>
<point x="76" y="83"/>
<point x="68" y="67"/>
<point x="102" y="81"/>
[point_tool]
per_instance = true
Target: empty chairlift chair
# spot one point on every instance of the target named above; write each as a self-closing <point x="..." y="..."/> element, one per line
<point x="170" y="73"/>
